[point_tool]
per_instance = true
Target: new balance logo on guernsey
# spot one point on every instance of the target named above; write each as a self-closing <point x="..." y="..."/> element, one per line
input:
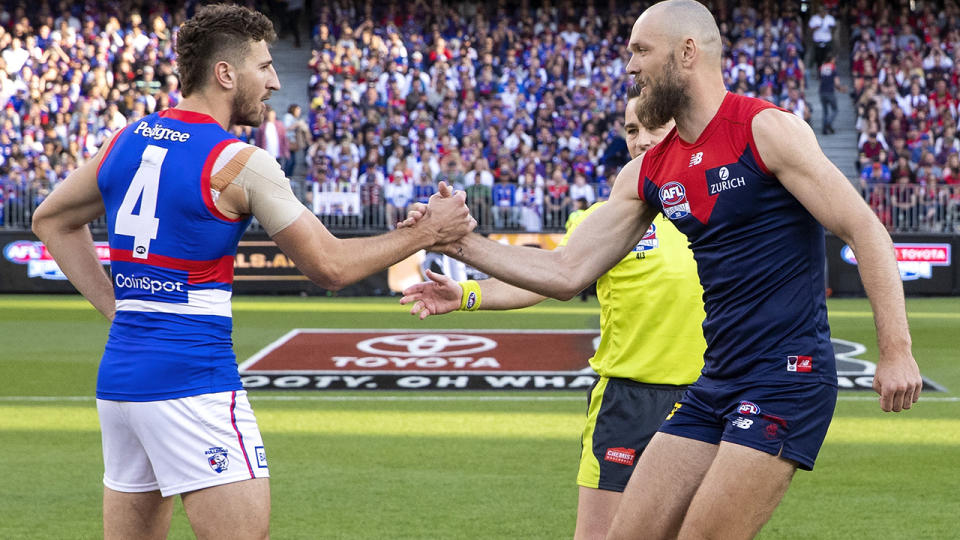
<point x="800" y="364"/>
<point x="695" y="159"/>
<point x="623" y="456"/>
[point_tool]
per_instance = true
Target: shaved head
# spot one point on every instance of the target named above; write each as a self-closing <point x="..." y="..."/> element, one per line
<point x="675" y="51"/>
<point x="675" y="21"/>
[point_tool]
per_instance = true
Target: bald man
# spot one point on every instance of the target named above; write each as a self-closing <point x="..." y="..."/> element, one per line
<point x="752" y="190"/>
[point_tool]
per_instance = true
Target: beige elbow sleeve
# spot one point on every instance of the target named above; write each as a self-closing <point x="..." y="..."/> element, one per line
<point x="268" y="192"/>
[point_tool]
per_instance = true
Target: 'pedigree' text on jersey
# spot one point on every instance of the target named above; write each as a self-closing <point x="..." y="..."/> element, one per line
<point x="159" y="133"/>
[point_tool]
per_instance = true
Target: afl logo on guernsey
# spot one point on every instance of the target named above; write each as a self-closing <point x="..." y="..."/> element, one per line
<point x="673" y="196"/>
<point x="649" y="240"/>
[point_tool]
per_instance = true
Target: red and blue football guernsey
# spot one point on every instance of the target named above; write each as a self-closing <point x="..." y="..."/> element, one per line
<point x="759" y="252"/>
<point x="172" y="256"/>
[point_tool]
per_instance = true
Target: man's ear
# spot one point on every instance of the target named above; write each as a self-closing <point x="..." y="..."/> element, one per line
<point x="225" y="74"/>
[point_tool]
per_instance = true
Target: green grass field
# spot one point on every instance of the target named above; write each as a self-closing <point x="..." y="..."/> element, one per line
<point x="454" y="465"/>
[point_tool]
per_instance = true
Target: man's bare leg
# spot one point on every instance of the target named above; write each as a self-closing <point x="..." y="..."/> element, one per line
<point x="135" y="515"/>
<point x="663" y="484"/>
<point x="752" y="480"/>
<point x="595" y="511"/>
<point x="236" y="511"/>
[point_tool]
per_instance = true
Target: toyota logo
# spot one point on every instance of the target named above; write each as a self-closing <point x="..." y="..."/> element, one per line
<point x="426" y="345"/>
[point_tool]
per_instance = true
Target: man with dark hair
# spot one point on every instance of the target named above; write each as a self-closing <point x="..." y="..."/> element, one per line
<point x="750" y="187"/>
<point x="178" y="191"/>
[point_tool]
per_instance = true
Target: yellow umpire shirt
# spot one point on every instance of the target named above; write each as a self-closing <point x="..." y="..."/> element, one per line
<point x="651" y="310"/>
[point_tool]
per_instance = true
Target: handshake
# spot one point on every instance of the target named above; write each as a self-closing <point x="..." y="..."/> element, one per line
<point x="445" y="218"/>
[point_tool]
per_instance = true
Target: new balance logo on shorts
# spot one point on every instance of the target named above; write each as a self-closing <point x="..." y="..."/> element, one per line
<point x="623" y="456"/>
<point x="800" y="364"/>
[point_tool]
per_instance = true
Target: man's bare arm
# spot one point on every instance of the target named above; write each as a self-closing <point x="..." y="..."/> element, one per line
<point x="789" y="148"/>
<point x="333" y="262"/>
<point x="60" y="222"/>
<point x="442" y="295"/>
<point x="597" y="244"/>
<point x="256" y="185"/>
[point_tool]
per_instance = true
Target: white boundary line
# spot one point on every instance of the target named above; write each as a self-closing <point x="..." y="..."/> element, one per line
<point x="268" y="349"/>
<point x="467" y="397"/>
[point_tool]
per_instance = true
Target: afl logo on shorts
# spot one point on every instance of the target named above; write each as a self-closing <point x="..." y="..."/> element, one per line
<point x="673" y="196"/>
<point x="748" y="407"/>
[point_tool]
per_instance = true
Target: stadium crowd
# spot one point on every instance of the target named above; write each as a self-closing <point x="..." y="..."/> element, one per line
<point x="906" y="87"/>
<point x="521" y="106"/>
<point x="69" y="77"/>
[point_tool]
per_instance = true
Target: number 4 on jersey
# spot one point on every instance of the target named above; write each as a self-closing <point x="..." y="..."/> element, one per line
<point x="144" y="187"/>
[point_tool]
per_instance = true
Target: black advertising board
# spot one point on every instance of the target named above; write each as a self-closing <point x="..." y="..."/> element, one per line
<point x="259" y="268"/>
<point x="927" y="264"/>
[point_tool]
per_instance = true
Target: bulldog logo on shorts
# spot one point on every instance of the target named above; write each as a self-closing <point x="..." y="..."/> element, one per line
<point x="217" y="459"/>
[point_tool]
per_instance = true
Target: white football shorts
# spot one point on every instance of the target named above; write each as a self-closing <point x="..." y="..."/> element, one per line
<point x="180" y="445"/>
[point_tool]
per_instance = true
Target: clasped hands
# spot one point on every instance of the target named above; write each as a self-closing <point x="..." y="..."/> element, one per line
<point x="446" y="214"/>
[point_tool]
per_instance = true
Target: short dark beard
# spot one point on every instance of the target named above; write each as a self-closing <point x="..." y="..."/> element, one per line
<point x="665" y="98"/>
<point x="246" y="110"/>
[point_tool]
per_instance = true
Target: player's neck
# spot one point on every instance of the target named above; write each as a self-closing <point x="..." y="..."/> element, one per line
<point x="218" y="109"/>
<point x="705" y="100"/>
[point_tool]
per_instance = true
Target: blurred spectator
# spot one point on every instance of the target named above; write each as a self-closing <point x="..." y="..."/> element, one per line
<point x="871" y="147"/>
<point x="876" y="173"/>
<point x="582" y="190"/>
<point x="905" y="208"/>
<point x="504" y="196"/>
<point x="934" y="204"/>
<point x="424" y="188"/>
<point x="797" y="105"/>
<point x="451" y="172"/>
<point x="272" y="137"/>
<point x="822" y="24"/>
<point x="290" y="19"/>
<point x="530" y="201"/>
<point x="557" y="203"/>
<point x="371" y="200"/>
<point x="479" y="174"/>
<point x="298" y="137"/>
<point x="398" y="194"/>
<point x="828" y="92"/>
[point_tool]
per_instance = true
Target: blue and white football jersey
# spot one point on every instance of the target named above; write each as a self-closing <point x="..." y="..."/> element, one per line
<point x="172" y="255"/>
